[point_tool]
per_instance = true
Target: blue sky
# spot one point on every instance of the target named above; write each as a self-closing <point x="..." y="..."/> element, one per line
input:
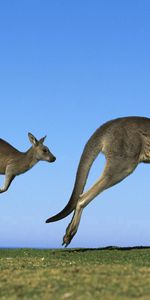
<point x="66" y="67"/>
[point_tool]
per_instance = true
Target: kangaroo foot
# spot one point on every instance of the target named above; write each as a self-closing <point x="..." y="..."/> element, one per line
<point x="70" y="232"/>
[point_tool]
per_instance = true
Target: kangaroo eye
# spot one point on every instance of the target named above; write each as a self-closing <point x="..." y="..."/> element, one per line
<point x="45" y="150"/>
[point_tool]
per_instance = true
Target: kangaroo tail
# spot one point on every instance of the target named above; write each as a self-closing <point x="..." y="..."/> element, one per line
<point x="90" y="152"/>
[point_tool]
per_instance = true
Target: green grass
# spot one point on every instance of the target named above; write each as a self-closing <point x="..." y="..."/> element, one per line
<point x="76" y="274"/>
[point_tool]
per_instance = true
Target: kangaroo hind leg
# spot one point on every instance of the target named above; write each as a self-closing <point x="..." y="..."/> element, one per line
<point x="115" y="171"/>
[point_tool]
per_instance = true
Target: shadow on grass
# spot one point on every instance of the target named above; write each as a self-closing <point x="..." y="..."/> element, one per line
<point x="111" y="248"/>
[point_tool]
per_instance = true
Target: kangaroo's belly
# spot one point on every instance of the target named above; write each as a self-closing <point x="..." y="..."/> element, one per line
<point x="3" y="164"/>
<point x="2" y="169"/>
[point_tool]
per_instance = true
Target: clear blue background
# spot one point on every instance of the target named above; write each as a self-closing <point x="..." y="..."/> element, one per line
<point x="66" y="67"/>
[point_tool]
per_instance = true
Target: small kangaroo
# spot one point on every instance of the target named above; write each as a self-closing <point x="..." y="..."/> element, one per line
<point x="125" y="142"/>
<point x="14" y="162"/>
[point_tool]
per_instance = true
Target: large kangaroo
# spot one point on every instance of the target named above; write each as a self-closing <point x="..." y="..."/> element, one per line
<point x="14" y="162"/>
<point x="125" y="143"/>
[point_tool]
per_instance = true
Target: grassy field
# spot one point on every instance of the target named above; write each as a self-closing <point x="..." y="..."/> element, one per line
<point x="107" y="274"/>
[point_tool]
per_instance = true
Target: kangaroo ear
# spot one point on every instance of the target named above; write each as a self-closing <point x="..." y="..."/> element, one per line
<point x="32" y="139"/>
<point x="41" y="141"/>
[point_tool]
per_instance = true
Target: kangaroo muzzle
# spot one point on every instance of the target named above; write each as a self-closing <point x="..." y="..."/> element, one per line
<point x="52" y="159"/>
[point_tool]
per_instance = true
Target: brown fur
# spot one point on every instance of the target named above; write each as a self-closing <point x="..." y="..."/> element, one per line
<point x="125" y="142"/>
<point x="14" y="162"/>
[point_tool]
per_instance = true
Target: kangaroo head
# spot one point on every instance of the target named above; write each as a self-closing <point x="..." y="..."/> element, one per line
<point x="41" y="151"/>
